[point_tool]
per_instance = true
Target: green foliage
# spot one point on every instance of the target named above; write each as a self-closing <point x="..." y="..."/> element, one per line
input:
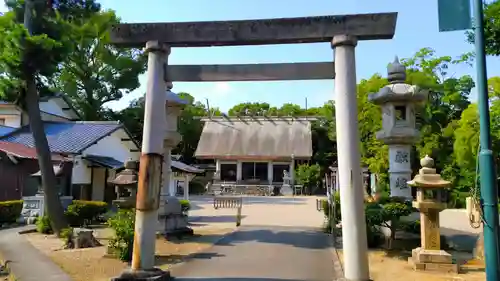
<point x="96" y="72"/>
<point x="196" y="187"/>
<point x="80" y="212"/>
<point x="185" y="205"/>
<point x="491" y="28"/>
<point x="309" y="176"/>
<point x="43" y="225"/>
<point x="123" y="224"/>
<point x="67" y="236"/>
<point x="10" y="211"/>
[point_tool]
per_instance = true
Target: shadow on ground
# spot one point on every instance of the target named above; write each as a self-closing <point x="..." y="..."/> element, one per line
<point x="161" y="260"/>
<point x="250" y="200"/>
<point x="460" y="240"/>
<point x="234" y="279"/>
<point x="197" y="238"/>
<point x="302" y="239"/>
<point x="212" y="219"/>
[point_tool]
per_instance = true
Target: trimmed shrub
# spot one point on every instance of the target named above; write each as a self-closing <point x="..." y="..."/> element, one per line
<point x="123" y="224"/>
<point x="10" y="211"/>
<point x="196" y="187"/>
<point x="80" y="212"/>
<point x="43" y="225"/>
<point x="185" y="205"/>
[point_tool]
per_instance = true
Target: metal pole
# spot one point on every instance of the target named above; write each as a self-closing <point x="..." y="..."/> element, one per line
<point x="489" y="194"/>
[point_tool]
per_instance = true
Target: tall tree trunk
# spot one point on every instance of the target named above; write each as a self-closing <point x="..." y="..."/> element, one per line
<point x="52" y="204"/>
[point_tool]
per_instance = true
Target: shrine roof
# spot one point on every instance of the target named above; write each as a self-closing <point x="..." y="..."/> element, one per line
<point x="260" y="137"/>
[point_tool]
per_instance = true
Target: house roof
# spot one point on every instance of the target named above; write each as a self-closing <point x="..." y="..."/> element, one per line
<point x="4" y="130"/>
<point x="240" y="138"/>
<point x="185" y="167"/>
<point x="22" y="151"/>
<point x="66" y="137"/>
<point x="104" y="161"/>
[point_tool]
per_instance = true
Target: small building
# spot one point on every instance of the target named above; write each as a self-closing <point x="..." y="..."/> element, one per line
<point x="94" y="149"/>
<point x="255" y="150"/>
<point x="17" y="165"/>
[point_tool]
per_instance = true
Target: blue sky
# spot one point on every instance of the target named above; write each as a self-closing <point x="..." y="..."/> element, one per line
<point x="417" y="27"/>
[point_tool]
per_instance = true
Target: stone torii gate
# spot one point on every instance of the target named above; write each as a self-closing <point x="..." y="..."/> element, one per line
<point x="342" y="32"/>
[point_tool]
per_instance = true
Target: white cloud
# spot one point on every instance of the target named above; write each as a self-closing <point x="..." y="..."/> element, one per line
<point x="221" y="88"/>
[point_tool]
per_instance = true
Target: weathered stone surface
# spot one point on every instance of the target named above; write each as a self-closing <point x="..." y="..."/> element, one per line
<point x="256" y="32"/>
<point x="84" y="238"/>
<point x="432" y="260"/>
<point x="171" y="219"/>
<point x="252" y="72"/>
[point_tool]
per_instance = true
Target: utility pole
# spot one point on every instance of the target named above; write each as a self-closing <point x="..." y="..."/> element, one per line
<point x="488" y="181"/>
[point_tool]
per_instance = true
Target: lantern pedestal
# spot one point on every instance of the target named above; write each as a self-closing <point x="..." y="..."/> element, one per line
<point x="432" y="260"/>
<point x="431" y="200"/>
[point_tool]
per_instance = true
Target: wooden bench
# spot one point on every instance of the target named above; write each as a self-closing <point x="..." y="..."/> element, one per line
<point x="223" y="202"/>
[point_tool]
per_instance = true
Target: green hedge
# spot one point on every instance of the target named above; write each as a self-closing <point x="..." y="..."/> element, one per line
<point x="10" y="211"/>
<point x="82" y="212"/>
<point x="185" y="205"/>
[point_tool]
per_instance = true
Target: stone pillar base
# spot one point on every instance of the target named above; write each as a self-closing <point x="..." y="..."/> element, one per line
<point x="432" y="260"/>
<point x="154" y="274"/>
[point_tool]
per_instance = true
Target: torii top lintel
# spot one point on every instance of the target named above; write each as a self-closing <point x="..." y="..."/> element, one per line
<point x="256" y="32"/>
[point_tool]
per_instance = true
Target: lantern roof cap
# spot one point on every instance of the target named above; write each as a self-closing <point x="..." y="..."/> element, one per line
<point x="128" y="176"/>
<point x="173" y="98"/>
<point x="427" y="176"/>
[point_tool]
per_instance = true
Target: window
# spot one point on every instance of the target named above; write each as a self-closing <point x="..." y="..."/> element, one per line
<point x="228" y="172"/>
<point x="278" y="171"/>
<point x="400" y="113"/>
<point x="2" y="121"/>
<point x="254" y="170"/>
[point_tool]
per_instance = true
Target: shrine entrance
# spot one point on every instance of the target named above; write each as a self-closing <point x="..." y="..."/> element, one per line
<point x="343" y="32"/>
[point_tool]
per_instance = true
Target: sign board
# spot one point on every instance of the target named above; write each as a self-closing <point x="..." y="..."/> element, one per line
<point x="454" y="15"/>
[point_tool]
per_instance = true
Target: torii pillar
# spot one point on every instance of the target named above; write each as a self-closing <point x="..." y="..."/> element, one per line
<point x="350" y="176"/>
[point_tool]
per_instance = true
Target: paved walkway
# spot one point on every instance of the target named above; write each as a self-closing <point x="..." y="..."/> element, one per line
<point x="27" y="263"/>
<point x="263" y="253"/>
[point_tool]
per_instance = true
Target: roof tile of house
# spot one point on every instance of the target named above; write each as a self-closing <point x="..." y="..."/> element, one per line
<point x="22" y="151"/>
<point x="4" y="130"/>
<point x="66" y="137"/>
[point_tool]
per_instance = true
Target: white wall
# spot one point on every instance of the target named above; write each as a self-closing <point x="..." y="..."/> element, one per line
<point x="81" y="174"/>
<point x="11" y="115"/>
<point x="51" y="106"/>
<point x="112" y="146"/>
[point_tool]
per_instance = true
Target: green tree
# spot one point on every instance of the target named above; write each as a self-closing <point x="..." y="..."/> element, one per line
<point x="309" y="176"/>
<point x="491" y="28"/>
<point x="96" y="72"/>
<point x="34" y="42"/>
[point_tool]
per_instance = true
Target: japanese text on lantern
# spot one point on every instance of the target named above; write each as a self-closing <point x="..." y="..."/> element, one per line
<point x="402" y="157"/>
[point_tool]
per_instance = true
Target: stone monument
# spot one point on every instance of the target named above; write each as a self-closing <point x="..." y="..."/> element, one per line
<point x="126" y="185"/>
<point x="431" y="199"/>
<point x="173" y="222"/>
<point x="286" y="188"/>
<point x="397" y="101"/>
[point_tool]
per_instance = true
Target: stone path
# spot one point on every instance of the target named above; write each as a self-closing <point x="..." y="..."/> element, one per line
<point x="263" y="253"/>
<point x="27" y="263"/>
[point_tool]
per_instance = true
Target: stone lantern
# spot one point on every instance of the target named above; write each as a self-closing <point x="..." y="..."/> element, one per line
<point x="397" y="101"/>
<point x="126" y="185"/>
<point x="173" y="108"/>
<point x="431" y="199"/>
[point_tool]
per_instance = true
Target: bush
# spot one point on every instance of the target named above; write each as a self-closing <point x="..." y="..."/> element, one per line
<point x="309" y="176"/>
<point x="185" y="206"/>
<point x="334" y="220"/>
<point x="196" y="187"/>
<point x="80" y="213"/>
<point x="43" y="225"/>
<point x="67" y="237"/>
<point x="123" y="224"/>
<point x="411" y="226"/>
<point x="10" y="211"/>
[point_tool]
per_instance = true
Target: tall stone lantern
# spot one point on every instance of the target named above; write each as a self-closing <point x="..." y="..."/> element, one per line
<point x="398" y="101"/>
<point x="174" y="105"/>
<point x="431" y="200"/>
